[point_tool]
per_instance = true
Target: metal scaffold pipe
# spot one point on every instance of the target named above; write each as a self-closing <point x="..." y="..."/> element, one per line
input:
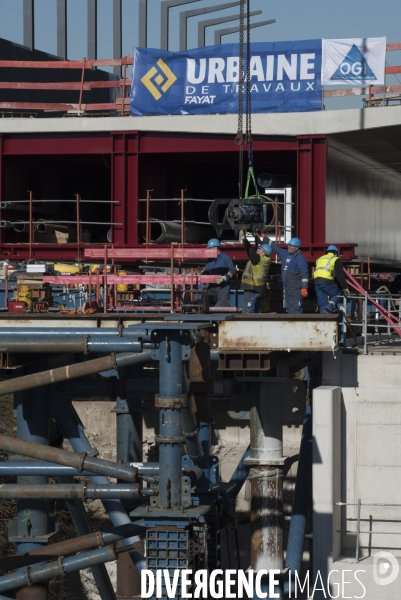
<point x="72" y="491"/>
<point x="59" y="568"/>
<point x="115" y="361"/>
<point x="71" y="546"/>
<point x="70" y="459"/>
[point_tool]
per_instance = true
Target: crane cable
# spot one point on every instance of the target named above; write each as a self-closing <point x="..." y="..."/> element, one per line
<point x="240" y="138"/>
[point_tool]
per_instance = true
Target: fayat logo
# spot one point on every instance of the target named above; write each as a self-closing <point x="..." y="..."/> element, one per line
<point x="159" y="79"/>
<point x="355" y="67"/>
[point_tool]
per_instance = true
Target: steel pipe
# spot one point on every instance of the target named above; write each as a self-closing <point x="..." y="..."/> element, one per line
<point x="71" y="491"/>
<point x="165" y="232"/>
<point x="81" y="369"/>
<point x="39" y="343"/>
<point x="50" y="469"/>
<point x="71" y="546"/>
<point x="59" y="568"/>
<point x="67" y="458"/>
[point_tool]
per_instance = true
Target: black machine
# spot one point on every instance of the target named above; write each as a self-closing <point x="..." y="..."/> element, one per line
<point x="249" y="214"/>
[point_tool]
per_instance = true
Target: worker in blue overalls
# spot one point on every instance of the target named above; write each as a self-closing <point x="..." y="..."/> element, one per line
<point x="294" y="273"/>
<point x="224" y="267"/>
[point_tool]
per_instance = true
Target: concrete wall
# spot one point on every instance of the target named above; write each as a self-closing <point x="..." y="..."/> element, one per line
<point x="369" y="437"/>
<point x="363" y="203"/>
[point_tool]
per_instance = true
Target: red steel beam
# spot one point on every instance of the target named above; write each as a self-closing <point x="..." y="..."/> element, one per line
<point x="88" y="85"/>
<point x="142" y="253"/>
<point x="65" y="64"/>
<point x="376" y="89"/>
<point x="395" y="46"/>
<point x="69" y="253"/>
<point x="132" y="279"/>
<point x="91" y="144"/>
<point x="161" y="144"/>
<point x="393" y="70"/>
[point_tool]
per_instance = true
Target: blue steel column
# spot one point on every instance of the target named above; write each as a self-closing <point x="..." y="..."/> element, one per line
<point x="31" y="410"/>
<point x="170" y="423"/>
<point x="129" y="449"/>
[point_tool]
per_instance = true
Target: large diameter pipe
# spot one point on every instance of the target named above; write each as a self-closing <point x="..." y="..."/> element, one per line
<point x="71" y="546"/>
<point x="67" y="458"/>
<point x="81" y="369"/>
<point x="57" y="569"/>
<point x="163" y="232"/>
<point x="73" y="491"/>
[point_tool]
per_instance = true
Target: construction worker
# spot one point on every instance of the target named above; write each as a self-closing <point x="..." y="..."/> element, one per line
<point x="254" y="278"/>
<point x="329" y="279"/>
<point x="294" y="274"/>
<point x="223" y="266"/>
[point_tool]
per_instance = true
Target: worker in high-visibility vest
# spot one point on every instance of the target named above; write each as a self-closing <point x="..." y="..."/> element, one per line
<point x="329" y="280"/>
<point x="254" y="278"/>
<point x="219" y="292"/>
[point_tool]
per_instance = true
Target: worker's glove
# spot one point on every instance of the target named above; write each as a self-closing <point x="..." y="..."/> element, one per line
<point x="346" y="292"/>
<point x="241" y="235"/>
<point x="221" y="279"/>
<point x="304" y="293"/>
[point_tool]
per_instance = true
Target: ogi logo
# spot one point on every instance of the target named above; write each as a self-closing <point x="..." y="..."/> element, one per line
<point x="385" y="568"/>
<point x="354" y="66"/>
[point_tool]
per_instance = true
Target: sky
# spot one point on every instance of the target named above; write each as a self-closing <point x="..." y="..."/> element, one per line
<point x="295" y="20"/>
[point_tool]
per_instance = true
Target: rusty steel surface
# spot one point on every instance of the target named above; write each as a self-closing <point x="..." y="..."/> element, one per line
<point x="279" y="332"/>
<point x="64" y="548"/>
<point x="156" y="253"/>
<point x="91" y="367"/>
<point x="131" y="279"/>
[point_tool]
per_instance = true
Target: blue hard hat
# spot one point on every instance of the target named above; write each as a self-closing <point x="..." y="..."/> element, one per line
<point x="333" y="248"/>
<point x="267" y="249"/>
<point x="213" y="243"/>
<point x="295" y="242"/>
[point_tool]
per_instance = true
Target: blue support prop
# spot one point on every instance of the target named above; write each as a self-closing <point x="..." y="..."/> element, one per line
<point x="302" y="497"/>
<point x="170" y="436"/>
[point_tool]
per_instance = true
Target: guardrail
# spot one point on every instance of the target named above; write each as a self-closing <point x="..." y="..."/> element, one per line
<point x="361" y="312"/>
<point x="370" y="531"/>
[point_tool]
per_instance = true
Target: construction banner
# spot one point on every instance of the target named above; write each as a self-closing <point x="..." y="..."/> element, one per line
<point x="285" y="77"/>
<point x="356" y="62"/>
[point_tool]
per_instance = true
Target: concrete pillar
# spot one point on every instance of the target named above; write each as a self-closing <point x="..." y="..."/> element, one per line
<point x="326" y="475"/>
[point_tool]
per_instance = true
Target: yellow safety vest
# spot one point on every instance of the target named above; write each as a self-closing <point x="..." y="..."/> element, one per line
<point x="254" y="277"/>
<point x="325" y="267"/>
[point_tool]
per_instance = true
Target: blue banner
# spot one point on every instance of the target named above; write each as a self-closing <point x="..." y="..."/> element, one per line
<point x="285" y="77"/>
